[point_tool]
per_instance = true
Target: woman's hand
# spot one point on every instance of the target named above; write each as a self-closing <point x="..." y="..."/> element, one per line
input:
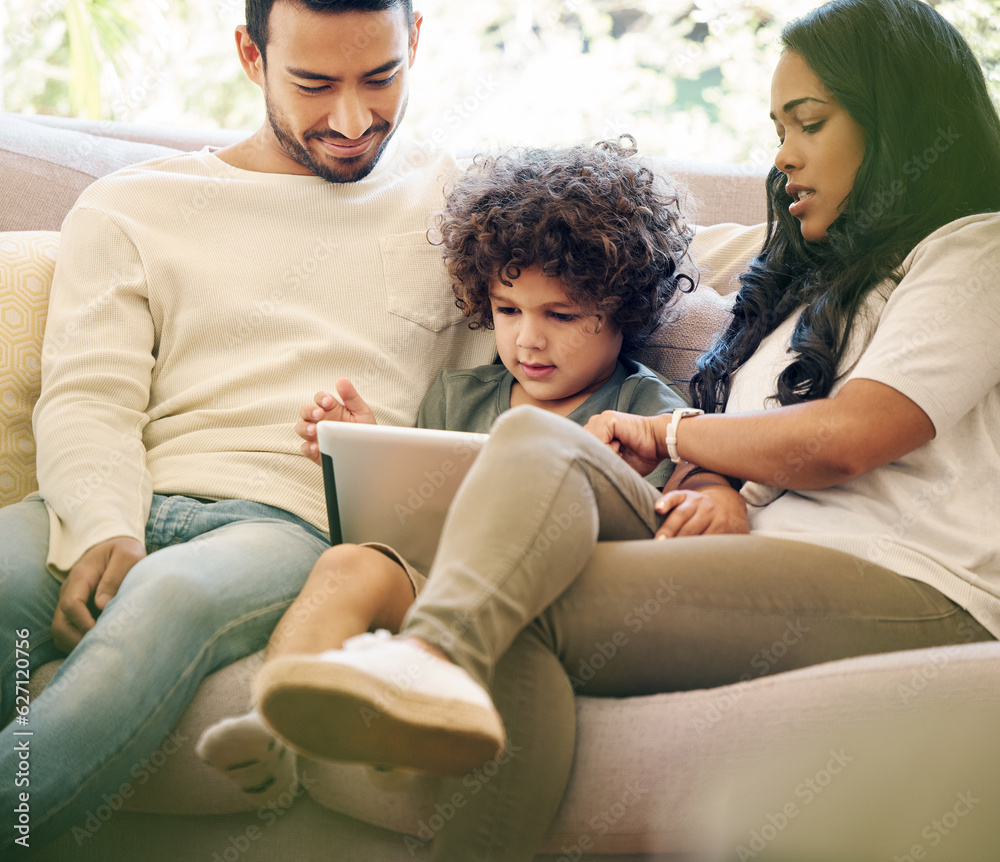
<point x="640" y="440"/>
<point x="345" y="406"/>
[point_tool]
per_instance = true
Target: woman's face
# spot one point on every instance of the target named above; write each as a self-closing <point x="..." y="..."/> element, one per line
<point x="821" y="145"/>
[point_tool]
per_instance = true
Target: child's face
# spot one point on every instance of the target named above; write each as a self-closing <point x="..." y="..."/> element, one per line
<point x="548" y="343"/>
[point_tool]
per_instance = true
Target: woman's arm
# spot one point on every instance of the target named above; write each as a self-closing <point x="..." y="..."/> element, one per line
<point x="931" y="359"/>
<point x="814" y="445"/>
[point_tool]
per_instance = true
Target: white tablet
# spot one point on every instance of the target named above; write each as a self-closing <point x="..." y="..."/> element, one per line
<point x="393" y="485"/>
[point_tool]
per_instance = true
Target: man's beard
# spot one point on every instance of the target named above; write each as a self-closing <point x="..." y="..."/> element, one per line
<point x="348" y="170"/>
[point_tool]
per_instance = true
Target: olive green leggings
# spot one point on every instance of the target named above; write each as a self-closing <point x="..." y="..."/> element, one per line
<point x="546" y="583"/>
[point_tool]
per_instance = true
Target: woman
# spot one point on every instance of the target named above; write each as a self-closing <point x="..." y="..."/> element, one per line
<point x="867" y="327"/>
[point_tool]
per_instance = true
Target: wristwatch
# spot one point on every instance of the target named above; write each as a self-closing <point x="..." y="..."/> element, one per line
<point x="677" y="415"/>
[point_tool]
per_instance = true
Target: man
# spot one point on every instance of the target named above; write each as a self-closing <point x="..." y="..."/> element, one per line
<point x="197" y="300"/>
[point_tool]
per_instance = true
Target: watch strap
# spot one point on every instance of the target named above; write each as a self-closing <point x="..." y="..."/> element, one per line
<point x="675" y="420"/>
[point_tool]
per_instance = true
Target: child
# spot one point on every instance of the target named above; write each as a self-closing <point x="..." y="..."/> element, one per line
<point x="570" y="257"/>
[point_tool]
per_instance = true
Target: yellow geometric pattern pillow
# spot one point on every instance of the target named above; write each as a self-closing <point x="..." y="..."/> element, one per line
<point x="27" y="261"/>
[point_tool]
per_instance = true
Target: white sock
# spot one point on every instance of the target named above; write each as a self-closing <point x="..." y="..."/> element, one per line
<point x="246" y="752"/>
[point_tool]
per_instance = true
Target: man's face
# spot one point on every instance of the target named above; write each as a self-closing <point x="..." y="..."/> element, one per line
<point x="335" y="86"/>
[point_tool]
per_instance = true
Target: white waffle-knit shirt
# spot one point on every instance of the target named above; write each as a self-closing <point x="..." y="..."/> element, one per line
<point x="196" y="306"/>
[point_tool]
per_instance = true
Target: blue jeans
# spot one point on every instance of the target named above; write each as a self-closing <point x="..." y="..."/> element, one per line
<point x="216" y="580"/>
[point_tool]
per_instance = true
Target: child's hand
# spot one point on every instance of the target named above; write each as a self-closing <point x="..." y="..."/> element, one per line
<point x="349" y="407"/>
<point x="633" y="437"/>
<point x="712" y="509"/>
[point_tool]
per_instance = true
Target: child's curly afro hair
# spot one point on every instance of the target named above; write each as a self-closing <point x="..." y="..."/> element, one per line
<point x="594" y="217"/>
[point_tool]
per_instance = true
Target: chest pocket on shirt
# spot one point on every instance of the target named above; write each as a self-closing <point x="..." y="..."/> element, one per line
<point x="416" y="282"/>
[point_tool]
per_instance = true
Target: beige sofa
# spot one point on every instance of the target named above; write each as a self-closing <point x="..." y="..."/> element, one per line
<point x="874" y="758"/>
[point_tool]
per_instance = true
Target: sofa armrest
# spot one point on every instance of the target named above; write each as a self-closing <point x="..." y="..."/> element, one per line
<point x="174" y="138"/>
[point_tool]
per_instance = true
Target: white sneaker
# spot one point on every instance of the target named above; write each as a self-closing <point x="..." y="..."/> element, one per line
<point x="381" y="701"/>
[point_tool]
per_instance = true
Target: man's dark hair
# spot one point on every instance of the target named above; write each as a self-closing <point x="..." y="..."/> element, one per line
<point x="594" y="217"/>
<point x="259" y="13"/>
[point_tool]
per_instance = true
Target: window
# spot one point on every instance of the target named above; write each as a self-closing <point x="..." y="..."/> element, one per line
<point x="687" y="78"/>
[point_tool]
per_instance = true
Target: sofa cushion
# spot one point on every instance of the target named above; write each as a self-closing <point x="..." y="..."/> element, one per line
<point x="835" y="749"/>
<point x="27" y="261"/>
<point x="712" y="193"/>
<point x="687" y="771"/>
<point x="694" y="319"/>
<point x="43" y="169"/>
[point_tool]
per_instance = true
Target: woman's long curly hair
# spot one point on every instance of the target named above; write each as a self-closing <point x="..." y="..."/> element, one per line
<point x="594" y="217"/>
<point x="932" y="155"/>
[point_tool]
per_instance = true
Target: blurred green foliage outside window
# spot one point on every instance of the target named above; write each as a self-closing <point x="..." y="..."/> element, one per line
<point x="688" y="78"/>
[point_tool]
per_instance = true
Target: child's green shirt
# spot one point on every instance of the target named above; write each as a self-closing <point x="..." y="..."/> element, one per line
<point x="471" y="399"/>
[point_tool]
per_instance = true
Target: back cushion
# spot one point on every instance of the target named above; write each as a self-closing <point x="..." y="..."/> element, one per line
<point x="693" y="320"/>
<point x="43" y="169"/>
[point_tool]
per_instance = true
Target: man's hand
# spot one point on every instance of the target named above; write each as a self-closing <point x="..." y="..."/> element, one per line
<point x="96" y="575"/>
<point x="638" y="439"/>
<point x="349" y="407"/>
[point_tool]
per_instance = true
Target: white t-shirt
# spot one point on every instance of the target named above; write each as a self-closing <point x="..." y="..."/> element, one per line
<point x="933" y="515"/>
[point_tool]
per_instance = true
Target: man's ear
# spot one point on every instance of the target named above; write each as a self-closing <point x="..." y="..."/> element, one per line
<point x="418" y="19"/>
<point x="250" y="56"/>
